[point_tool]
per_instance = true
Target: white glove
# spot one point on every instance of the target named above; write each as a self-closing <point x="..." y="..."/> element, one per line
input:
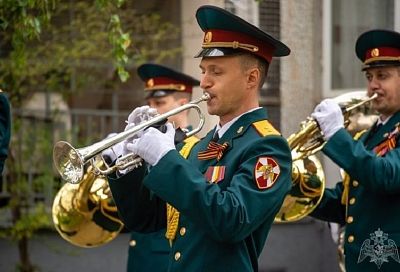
<point x="112" y="153"/>
<point x="329" y="117"/>
<point x="153" y="144"/>
<point x="141" y="114"/>
<point x="137" y="116"/>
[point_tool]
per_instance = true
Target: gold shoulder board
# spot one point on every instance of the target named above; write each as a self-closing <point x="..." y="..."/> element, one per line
<point x="187" y="147"/>
<point x="265" y="128"/>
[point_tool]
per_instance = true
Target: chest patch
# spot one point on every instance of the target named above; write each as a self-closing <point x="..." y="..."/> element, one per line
<point x="266" y="172"/>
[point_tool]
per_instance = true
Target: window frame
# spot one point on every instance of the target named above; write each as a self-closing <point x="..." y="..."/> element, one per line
<point x="327" y="90"/>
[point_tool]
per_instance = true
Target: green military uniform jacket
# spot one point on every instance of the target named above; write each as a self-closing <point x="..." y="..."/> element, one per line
<point x="149" y="251"/>
<point x="372" y="236"/>
<point x="5" y="128"/>
<point x="223" y="224"/>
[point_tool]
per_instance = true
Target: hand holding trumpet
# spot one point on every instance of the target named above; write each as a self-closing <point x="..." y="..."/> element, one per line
<point x="153" y="144"/>
<point x="137" y="116"/>
<point x="329" y="116"/>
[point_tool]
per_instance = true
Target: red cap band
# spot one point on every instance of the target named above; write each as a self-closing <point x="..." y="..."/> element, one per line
<point x="225" y="38"/>
<point x="165" y="83"/>
<point x="382" y="53"/>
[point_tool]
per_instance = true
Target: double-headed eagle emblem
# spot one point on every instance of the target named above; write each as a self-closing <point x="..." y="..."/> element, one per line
<point x="379" y="248"/>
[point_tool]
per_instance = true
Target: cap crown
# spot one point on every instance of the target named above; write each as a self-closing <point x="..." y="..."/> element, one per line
<point x="225" y="30"/>
<point x="378" y="48"/>
<point x="158" y="77"/>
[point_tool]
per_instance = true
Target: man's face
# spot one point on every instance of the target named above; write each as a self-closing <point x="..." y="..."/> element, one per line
<point x="164" y="104"/>
<point x="384" y="81"/>
<point x="226" y="82"/>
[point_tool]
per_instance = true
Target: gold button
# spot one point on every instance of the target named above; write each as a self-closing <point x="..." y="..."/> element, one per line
<point x="350" y="219"/>
<point x="182" y="231"/>
<point x="132" y="243"/>
<point x="177" y="256"/>
<point x="352" y="200"/>
<point x="355" y="183"/>
<point x="350" y="239"/>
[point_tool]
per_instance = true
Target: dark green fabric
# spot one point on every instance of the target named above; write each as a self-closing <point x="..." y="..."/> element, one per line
<point x="149" y="252"/>
<point x="377" y="197"/>
<point x="226" y="223"/>
<point x="149" y="70"/>
<point x="5" y="128"/>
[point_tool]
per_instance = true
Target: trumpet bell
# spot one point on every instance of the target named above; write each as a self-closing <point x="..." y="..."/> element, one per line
<point x="68" y="161"/>
<point x="308" y="185"/>
<point x="85" y="214"/>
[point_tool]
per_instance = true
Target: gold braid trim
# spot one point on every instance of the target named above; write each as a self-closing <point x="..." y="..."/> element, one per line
<point x="176" y="87"/>
<point x="234" y="44"/>
<point x="172" y="213"/>
<point x="381" y="58"/>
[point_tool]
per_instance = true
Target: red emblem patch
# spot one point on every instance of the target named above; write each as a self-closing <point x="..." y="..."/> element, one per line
<point x="266" y="172"/>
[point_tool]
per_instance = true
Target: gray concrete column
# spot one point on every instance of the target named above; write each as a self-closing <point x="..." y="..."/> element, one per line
<point x="192" y="37"/>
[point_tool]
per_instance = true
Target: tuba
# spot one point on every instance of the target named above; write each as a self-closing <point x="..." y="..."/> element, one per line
<point x="84" y="214"/>
<point x="308" y="179"/>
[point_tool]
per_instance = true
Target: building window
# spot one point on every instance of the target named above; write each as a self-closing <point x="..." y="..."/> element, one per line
<point x="344" y="21"/>
<point x="266" y="15"/>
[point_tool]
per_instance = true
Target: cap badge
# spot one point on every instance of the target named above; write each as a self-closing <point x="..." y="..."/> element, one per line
<point x="208" y="37"/>
<point x="375" y="52"/>
<point x="150" y="82"/>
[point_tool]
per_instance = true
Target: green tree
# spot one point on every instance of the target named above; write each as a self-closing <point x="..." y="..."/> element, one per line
<point x="56" y="46"/>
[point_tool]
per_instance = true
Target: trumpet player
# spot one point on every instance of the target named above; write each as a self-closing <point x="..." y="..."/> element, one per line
<point x="367" y="201"/>
<point x="166" y="89"/>
<point x="229" y="189"/>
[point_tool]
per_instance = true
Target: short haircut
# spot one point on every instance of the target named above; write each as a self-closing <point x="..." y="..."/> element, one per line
<point x="249" y="61"/>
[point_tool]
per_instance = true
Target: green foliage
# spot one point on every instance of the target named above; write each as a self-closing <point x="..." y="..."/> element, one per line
<point x="62" y="46"/>
<point x="82" y="45"/>
<point x="120" y="42"/>
<point x="28" y="223"/>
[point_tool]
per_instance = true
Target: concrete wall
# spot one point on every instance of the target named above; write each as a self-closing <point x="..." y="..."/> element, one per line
<point x="301" y="71"/>
<point x="192" y="37"/>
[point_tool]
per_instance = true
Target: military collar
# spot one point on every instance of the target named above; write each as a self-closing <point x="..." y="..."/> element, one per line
<point x="382" y="133"/>
<point x="242" y="124"/>
<point x="221" y="130"/>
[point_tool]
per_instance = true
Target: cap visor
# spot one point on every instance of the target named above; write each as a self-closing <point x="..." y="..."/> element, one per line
<point x="377" y="64"/>
<point x="217" y="52"/>
<point x="158" y="93"/>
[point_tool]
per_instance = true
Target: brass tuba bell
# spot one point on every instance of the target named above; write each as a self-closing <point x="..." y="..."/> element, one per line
<point x="84" y="214"/>
<point x="308" y="179"/>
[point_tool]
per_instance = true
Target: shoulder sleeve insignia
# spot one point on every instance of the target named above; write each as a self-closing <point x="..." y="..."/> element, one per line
<point x="265" y="128"/>
<point x="266" y="172"/>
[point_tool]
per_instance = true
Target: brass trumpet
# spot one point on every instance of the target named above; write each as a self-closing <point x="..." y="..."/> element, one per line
<point x="70" y="162"/>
